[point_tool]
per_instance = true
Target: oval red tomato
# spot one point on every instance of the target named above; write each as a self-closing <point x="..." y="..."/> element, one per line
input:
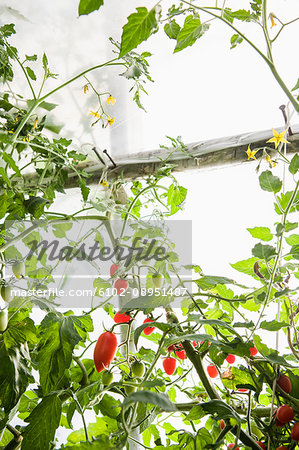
<point x="120" y="286"/>
<point x="295" y="432"/>
<point x="222" y="424"/>
<point x="148" y="330"/>
<point x="171" y="348"/>
<point x="261" y="444"/>
<point x="284" y="383"/>
<point x="212" y="371"/>
<point x="113" y="269"/>
<point x="105" y="350"/>
<point x="231" y="359"/>
<point x="169" y="365"/>
<point x="242" y="390"/>
<point x="233" y="446"/>
<point x="285" y="414"/>
<point x="121" y="317"/>
<point x="253" y="351"/>
<point x="194" y="343"/>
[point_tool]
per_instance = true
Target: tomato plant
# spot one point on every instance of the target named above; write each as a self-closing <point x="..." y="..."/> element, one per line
<point x="213" y="374"/>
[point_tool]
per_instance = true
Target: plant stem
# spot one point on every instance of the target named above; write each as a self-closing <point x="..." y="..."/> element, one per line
<point x="85" y="380"/>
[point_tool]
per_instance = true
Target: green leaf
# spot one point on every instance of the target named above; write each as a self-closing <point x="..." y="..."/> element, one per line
<point x="11" y="162"/>
<point x="235" y="40"/>
<point x="207" y="282"/>
<point x="43" y="422"/>
<point x="262" y="233"/>
<point x="268" y="353"/>
<point x="192" y="30"/>
<point x="295" y="251"/>
<point x="88" y="6"/>
<point x="265" y="252"/>
<point x="172" y="29"/>
<point x="196" y="413"/>
<point x="19" y="330"/>
<point x="245" y="266"/>
<point x="14" y="374"/>
<point x="58" y="337"/>
<point x="35" y="206"/>
<point x="293" y="239"/>
<point x="212" y="322"/>
<point x="30" y="73"/>
<point x="219" y="410"/>
<point x="273" y="325"/>
<point x="153" y="398"/>
<point x="175" y="197"/>
<point x="161" y="326"/>
<point x="269" y="182"/>
<point x="7" y="30"/>
<point x="4" y="104"/>
<point x="294" y="165"/>
<point x="139" y="27"/>
<point x="109" y="406"/>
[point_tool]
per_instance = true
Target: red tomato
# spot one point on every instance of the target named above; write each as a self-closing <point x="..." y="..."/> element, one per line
<point x="284" y="383"/>
<point x="231" y="359"/>
<point x="212" y="371"/>
<point x="200" y="342"/>
<point x="171" y="348"/>
<point x="285" y="413"/>
<point x="243" y="390"/>
<point x="222" y="424"/>
<point x="121" y="317"/>
<point x="105" y="350"/>
<point x="261" y="444"/>
<point x="253" y="351"/>
<point x="233" y="446"/>
<point x="169" y="365"/>
<point x="295" y="432"/>
<point x="194" y="343"/>
<point x="121" y="286"/>
<point x="113" y="269"/>
<point x="279" y="424"/>
<point x="148" y="330"/>
<point x="180" y="353"/>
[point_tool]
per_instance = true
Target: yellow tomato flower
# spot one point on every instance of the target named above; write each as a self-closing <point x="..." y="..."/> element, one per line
<point x="273" y="23"/>
<point x="111" y="100"/>
<point x="35" y="123"/>
<point x="278" y="137"/>
<point x="10" y="132"/>
<point x="251" y="153"/>
<point x="271" y="163"/>
<point x="110" y="121"/>
<point x="96" y="114"/>
<point x="104" y="183"/>
<point x="85" y="89"/>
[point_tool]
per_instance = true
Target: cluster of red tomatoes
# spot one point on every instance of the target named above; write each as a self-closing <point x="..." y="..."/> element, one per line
<point x="213" y="372"/>
<point x="282" y="416"/>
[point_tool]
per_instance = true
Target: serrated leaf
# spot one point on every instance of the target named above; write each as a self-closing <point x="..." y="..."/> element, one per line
<point x="161" y="326"/>
<point x="207" y="282"/>
<point x="153" y="398"/>
<point x="58" y="337"/>
<point x="295" y="251"/>
<point x="245" y="266"/>
<point x="262" y="233"/>
<point x="196" y="413"/>
<point x="269" y="182"/>
<point x="212" y="322"/>
<point x="265" y="252"/>
<point x="192" y="30"/>
<point x="43" y="422"/>
<point x="273" y="325"/>
<point x="11" y="162"/>
<point x="138" y="29"/>
<point x="270" y="354"/>
<point x="235" y="40"/>
<point x="293" y="239"/>
<point x="88" y="6"/>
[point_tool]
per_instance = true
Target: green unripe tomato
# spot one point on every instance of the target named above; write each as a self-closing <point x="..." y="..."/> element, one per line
<point x="6" y="293"/>
<point x="129" y="389"/>
<point x="137" y="368"/>
<point x="157" y="280"/>
<point x="107" y="377"/>
<point x="3" y="319"/>
<point x="18" y="269"/>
